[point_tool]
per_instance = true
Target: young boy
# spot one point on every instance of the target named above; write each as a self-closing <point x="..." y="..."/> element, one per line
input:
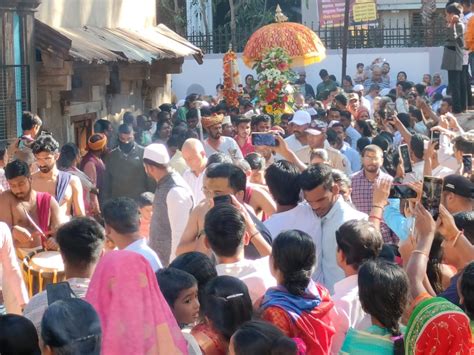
<point x="180" y="290"/>
<point x="145" y="203"/>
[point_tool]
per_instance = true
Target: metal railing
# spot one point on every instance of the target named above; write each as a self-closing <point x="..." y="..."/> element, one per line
<point x="395" y="35"/>
<point x="14" y="97"/>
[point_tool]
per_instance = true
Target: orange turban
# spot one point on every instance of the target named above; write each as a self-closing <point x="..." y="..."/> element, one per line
<point x="212" y="120"/>
<point x="97" y="141"/>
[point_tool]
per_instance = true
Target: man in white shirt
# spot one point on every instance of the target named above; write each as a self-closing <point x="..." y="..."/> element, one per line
<point x="228" y="230"/>
<point x="316" y="137"/>
<point x="450" y="155"/>
<point x="357" y="241"/>
<point x="172" y="204"/>
<point x="300" y="122"/>
<point x="432" y="167"/>
<point x="374" y="91"/>
<point x="216" y="142"/>
<point x="322" y="194"/>
<point x="195" y="157"/>
<point x="282" y="181"/>
<point x="81" y="243"/>
<point x="122" y="226"/>
<point x="359" y="91"/>
<point x="13" y="287"/>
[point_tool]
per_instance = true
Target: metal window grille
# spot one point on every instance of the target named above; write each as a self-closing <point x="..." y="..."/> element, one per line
<point x="14" y="98"/>
<point x="392" y="35"/>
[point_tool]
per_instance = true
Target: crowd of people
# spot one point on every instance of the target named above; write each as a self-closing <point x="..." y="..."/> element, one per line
<point x="181" y="233"/>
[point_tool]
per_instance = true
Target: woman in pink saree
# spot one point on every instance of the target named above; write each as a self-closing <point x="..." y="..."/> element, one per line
<point x="134" y="315"/>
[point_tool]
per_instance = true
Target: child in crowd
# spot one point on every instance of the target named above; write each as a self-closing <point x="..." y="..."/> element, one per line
<point x="226" y="306"/>
<point x="298" y="306"/>
<point x="357" y="241"/>
<point x="145" y="203"/>
<point x="261" y="338"/>
<point x="180" y="290"/>
<point x="200" y="266"/>
<point x="383" y="293"/>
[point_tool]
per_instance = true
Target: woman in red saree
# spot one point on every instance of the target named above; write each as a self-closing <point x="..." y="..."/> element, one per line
<point x="134" y="315"/>
<point x="226" y="305"/>
<point x="299" y="307"/>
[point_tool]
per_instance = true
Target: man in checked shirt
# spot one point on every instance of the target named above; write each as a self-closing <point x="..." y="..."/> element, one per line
<point x="363" y="182"/>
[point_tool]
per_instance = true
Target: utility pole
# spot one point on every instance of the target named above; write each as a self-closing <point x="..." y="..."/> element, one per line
<point x="345" y="34"/>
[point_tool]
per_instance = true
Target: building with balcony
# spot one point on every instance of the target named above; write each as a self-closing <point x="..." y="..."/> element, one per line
<point x="401" y="13"/>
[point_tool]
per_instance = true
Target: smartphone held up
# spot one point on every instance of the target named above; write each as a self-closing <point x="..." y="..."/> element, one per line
<point x="435" y="135"/>
<point x="405" y="155"/>
<point x="264" y="139"/>
<point x="467" y="164"/>
<point x="431" y="196"/>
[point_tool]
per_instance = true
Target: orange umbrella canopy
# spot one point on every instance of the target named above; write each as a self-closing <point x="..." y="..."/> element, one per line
<point x="301" y="43"/>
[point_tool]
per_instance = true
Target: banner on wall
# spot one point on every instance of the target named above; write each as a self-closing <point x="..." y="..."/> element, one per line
<point x="331" y="12"/>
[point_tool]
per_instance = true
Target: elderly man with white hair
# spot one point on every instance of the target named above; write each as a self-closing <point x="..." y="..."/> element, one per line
<point x="195" y="157"/>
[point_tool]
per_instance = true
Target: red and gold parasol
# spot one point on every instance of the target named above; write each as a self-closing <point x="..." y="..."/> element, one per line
<point x="300" y="42"/>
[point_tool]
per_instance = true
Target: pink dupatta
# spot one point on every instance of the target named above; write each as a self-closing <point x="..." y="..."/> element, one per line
<point x="134" y="315"/>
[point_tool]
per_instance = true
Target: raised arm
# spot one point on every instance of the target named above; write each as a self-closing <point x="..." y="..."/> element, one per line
<point x="283" y="149"/>
<point x="263" y="248"/>
<point x="403" y="130"/>
<point x="425" y="228"/>
<point x="262" y="200"/>
<point x="454" y="238"/>
<point x="11" y="270"/>
<point x="191" y="239"/>
<point x="379" y="201"/>
<point x="77" y="197"/>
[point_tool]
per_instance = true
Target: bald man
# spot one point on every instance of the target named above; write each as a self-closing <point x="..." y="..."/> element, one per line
<point x="195" y="157"/>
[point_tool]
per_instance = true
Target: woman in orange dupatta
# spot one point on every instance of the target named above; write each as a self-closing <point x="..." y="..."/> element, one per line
<point x="299" y="307"/>
<point x="226" y="305"/>
<point x="134" y="315"/>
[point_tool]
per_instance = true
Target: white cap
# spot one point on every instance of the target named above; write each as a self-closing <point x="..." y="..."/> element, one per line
<point x="300" y="118"/>
<point x="180" y="103"/>
<point x="358" y="87"/>
<point x="157" y="152"/>
<point x="313" y="132"/>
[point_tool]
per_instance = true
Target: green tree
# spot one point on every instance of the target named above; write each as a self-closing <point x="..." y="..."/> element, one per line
<point x="172" y="13"/>
<point x="248" y="15"/>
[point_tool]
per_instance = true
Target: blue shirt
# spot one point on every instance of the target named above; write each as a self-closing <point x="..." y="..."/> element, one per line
<point x="353" y="156"/>
<point x="393" y="218"/>
<point x="451" y="293"/>
<point x="141" y="247"/>
<point x="353" y="135"/>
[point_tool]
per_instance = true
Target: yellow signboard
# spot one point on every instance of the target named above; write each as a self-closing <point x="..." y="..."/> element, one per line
<point x="364" y="11"/>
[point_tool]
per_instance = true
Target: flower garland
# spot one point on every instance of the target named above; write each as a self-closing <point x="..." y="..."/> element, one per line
<point x="274" y="77"/>
<point x="231" y="79"/>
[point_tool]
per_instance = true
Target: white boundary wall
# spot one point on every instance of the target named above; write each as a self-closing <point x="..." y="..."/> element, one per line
<point x="414" y="61"/>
